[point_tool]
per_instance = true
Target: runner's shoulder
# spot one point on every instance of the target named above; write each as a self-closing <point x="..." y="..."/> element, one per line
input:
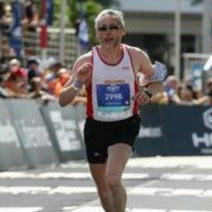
<point x="138" y="55"/>
<point x="136" y="51"/>
<point x="87" y="57"/>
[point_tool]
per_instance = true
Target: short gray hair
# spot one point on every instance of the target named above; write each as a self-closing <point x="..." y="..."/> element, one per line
<point x="118" y="14"/>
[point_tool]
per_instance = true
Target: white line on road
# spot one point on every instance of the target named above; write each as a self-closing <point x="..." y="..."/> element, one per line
<point x="65" y="175"/>
<point x="99" y="209"/>
<point x="187" y="177"/>
<point x="197" y="162"/>
<point x="188" y="211"/>
<point x="147" y="210"/>
<point x="89" y="209"/>
<point x="24" y="189"/>
<point x="147" y="191"/>
<point x="156" y="162"/>
<point x="69" y="208"/>
<point x="16" y="175"/>
<point x="86" y="175"/>
<point x="18" y="209"/>
<point x="140" y="190"/>
<point x="72" y="190"/>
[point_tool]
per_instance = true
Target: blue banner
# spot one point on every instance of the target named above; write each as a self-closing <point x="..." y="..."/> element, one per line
<point x="15" y="30"/>
<point x="83" y="35"/>
<point x="50" y="12"/>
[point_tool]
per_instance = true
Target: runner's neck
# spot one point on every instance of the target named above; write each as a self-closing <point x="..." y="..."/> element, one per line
<point x="111" y="56"/>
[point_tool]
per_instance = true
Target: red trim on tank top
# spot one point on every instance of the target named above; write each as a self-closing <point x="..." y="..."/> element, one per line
<point x="109" y="64"/>
<point x="136" y="86"/>
<point x="89" y="105"/>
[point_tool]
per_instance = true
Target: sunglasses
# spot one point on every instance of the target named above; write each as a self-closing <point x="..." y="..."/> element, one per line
<point x="108" y="28"/>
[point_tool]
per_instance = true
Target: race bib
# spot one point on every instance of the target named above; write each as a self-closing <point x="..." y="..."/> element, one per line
<point x="113" y="98"/>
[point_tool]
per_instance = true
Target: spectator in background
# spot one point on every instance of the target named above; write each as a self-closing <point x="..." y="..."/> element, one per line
<point x="160" y="98"/>
<point x="63" y="77"/>
<point x="5" y="17"/>
<point x="33" y="69"/>
<point x="2" y="17"/>
<point x="187" y="95"/>
<point x="51" y="75"/>
<point x="31" y="15"/>
<point x="15" y="65"/>
<point x="207" y="99"/>
<point x="209" y="88"/>
<point x="6" y="51"/>
<point x="61" y="80"/>
<point x="30" y="23"/>
<point x="2" y="11"/>
<point x="3" y="91"/>
<point x="16" y="82"/>
<point x="37" y="92"/>
<point x="171" y="89"/>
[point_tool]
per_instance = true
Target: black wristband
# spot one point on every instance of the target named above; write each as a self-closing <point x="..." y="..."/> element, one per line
<point x="148" y="93"/>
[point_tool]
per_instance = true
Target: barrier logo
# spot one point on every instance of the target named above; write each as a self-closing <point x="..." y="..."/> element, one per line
<point x="207" y="118"/>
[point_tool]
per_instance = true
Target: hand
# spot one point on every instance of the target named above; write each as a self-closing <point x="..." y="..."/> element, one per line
<point x="83" y="72"/>
<point x="142" y="98"/>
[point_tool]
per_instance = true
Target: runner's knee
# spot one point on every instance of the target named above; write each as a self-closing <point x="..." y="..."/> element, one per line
<point x="112" y="180"/>
<point x="102" y="190"/>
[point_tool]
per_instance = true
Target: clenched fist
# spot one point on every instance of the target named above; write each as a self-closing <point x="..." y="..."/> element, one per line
<point x="142" y="97"/>
<point x="83" y="72"/>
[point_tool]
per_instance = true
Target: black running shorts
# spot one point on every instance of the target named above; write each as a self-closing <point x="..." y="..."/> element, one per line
<point x="100" y="135"/>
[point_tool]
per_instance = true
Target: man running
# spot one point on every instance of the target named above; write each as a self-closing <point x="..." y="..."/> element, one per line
<point x="109" y="73"/>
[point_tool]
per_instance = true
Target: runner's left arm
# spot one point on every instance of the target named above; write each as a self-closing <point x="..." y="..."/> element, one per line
<point x="153" y="75"/>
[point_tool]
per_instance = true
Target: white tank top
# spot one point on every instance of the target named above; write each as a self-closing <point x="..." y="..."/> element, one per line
<point x="112" y="89"/>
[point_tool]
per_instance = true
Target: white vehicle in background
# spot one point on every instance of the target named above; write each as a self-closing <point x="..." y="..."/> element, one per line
<point x="197" y="68"/>
<point x="208" y="64"/>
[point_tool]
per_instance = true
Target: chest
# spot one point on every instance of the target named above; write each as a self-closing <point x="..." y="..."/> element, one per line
<point x="113" y="74"/>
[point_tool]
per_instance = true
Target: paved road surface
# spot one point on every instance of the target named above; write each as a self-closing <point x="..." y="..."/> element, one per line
<point x="158" y="184"/>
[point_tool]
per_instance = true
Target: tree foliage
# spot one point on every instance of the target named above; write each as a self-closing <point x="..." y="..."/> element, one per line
<point x="107" y="3"/>
<point x="92" y="10"/>
<point x="75" y="10"/>
<point x="87" y="9"/>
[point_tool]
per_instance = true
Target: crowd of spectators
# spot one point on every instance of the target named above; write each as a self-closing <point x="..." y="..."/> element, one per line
<point x="29" y="15"/>
<point x="183" y="93"/>
<point x="30" y="21"/>
<point x="32" y="81"/>
<point x="28" y="79"/>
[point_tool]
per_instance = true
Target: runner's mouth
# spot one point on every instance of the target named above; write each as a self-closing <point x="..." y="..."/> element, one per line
<point x="109" y="40"/>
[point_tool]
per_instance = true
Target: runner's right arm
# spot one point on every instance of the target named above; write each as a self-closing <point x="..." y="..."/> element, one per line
<point x="80" y="76"/>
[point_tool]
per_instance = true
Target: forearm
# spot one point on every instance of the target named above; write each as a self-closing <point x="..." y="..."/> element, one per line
<point x="155" y="88"/>
<point x="80" y="76"/>
<point x="67" y="95"/>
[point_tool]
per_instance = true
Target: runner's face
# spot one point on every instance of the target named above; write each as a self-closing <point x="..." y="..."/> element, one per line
<point x="109" y="32"/>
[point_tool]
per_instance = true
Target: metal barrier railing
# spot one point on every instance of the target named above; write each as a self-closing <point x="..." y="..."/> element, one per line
<point x="32" y="48"/>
